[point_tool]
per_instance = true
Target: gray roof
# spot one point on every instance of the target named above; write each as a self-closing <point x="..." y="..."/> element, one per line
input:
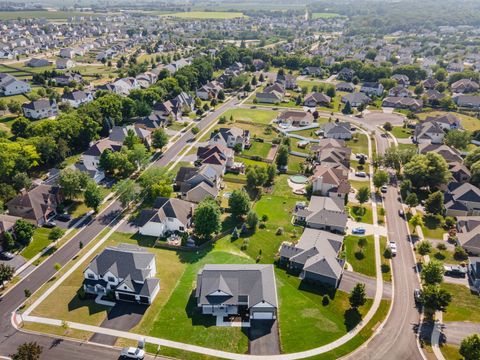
<point x="165" y="208"/>
<point x="225" y="283"/>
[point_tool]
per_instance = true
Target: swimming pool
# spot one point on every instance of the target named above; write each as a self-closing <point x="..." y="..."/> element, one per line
<point x="298" y="179"/>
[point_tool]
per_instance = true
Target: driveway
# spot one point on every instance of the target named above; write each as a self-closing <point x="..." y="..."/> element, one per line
<point x="16" y="262"/>
<point x="369" y="228"/>
<point x="263" y="337"/>
<point x="350" y="279"/>
<point x="122" y="316"/>
<point x="455" y="332"/>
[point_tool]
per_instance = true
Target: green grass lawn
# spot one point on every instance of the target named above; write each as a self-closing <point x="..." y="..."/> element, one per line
<point x="256" y="130"/>
<point x="432" y="228"/>
<point x="407" y="146"/>
<point x="464" y="306"/>
<point x="258" y="149"/>
<point x="177" y="126"/>
<point x="386" y="275"/>
<point x="304" y="321"/>
<point x="258" y="116"/>
<point x="357" y="184"/>
<point x="39" y="242"/>
<point x="361" y="261"/>
<point x="445" y="256"/>
<point x="294" y="163"/>
<point x="401" y="132"/>
<point x="206" y="15"/>
<point x="451" y="352"/>
<point x="359" y="146"/>
<point x="361" y="213"/>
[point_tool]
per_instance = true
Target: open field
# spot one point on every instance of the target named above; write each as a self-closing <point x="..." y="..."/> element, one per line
<point x="53" y="15"/>
<point x="401" y="133"/>
<point x="206" y="15"/>
<point x="254" y="115"/>
<point x="258" y="149"/>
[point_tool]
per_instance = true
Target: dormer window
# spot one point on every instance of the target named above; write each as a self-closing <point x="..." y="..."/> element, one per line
<point x="91" y="276"/>
<point x="111" y="279"/>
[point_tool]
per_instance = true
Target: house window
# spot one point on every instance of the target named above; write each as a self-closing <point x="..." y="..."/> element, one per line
<point x="181" y="228"/>
<point x="91" y="276"/>
<point x="111" y="279"/>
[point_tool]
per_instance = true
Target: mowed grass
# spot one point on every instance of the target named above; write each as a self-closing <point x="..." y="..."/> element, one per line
<point x="206" y="15"/>
<point x="361" y="259"/>
<point x="258" y="149"/>
<point x="361" y="213"/>
<point x="401" y="133"/>
<point x="39" y="242"/>
<point x="358" y="145"/>
<point x="465" y="306"/>
<point x="304" y="321"/>
<point x="254" y="115"/>
<point x="451" y="352"/>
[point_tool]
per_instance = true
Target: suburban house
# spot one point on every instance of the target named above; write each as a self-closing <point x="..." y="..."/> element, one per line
<point x="209" y="90"/>
<point x="77" y="98"/>
<point x="315" y="257"/>
<point x="313" y="71"/>
<point x="399" y="91"/>
<point x="330" y="181"/>
<point x="40" y="109"/>
<point x="288" y="81"/>
<point x="346" y="74"/>
<point x="63" y="64"/>
<point x="337" y="130"/>
<point x="10" y="85"/>
<point x="127" y="270"/>
<point x="196" y="184"/>
<point x="402" y="103"/>
<point x="7" y="222"/>
<point x="449" y="154"/>
<point x="219" y="156"/>
<point x="168" y="215"/>
<point x="323" y="213"/>
<point x="460" y="172"/>
<point x="316" y="98"/>
<point x="38" y="63"/>
<point x="272" y="94"/>
<point x="119" y="133"/>
<point x="428" y="132"/>
<point x="464" y="86"/>
<point x="446" y="122"/>
<point x="430" y="83"/>
<point x="295" y="118"/>
<point x="150" y="122"/>
<point x="462" y="200"/>
<point x="67" y="79"/>
<point x="468" y="233"/>
<point x="333" y="153"/>
<point x="181" y="104"/>
<point x="372" y="88"/>
<point x="231" y="137"/>
<point x="467" y="101"/>
<point x="345" y="86"/>
<point x="474" y="271"/>
<point x="402" y="80"/>
<point x="433" y="96"/>
<point x="38" y="205"/>
<point x="248" y="290"/>
<point x="90" y="162"/>
<point x="356" y="99"/>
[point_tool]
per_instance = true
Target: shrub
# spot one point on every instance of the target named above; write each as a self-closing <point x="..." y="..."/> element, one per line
<point x="325" y="300"/>
<point x="245" y="244"/>
<point x="460" y="253"/>
<point x="441" y="246"/>
<point x="450" y="222"/>
<point x="385" y="268"/>
<point x="359" y="255"/>
<point x="279" y="231"/>
<point x="264" y="217"/>
<point x="424" y="247"/>
<point x="195" y="130"/>
<point x="387" y="254"/>
<point x="262" y="225"/>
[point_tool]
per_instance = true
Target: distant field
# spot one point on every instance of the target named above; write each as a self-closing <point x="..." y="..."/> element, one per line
<point x="325" y="15"/>
<point x="206" y="15"/>
<point x="11" y="15"/>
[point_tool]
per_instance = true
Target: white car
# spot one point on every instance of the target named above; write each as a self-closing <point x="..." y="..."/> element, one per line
<point x="393" y="247"/>
<point x="132" y="353"/>
<point x="361" y="174"/>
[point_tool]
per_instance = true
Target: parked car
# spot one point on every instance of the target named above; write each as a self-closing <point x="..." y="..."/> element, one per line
<point x="132" y="353"/>
<point x="417" y="293"/>
<point x="384" y="189"/>
<point x="64" y="217"/>
<point x="6" y="255"/>
<point x="50" y="224"/>
<point x="393" y="247"/>
<point x="455" y="270"/>
<point x="358" y="231"/>
<point x="401" y="213"/>
<point x="361" y="174"/>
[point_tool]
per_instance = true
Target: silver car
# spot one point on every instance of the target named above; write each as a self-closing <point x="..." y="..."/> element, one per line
<point x="132" y="353"/>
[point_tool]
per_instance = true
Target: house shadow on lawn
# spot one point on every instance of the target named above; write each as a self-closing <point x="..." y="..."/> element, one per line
<point x="89" y="302"/>
<point x="144" y="241"/>
<point x="194" y="313"/>
<point x="316" y="288"/>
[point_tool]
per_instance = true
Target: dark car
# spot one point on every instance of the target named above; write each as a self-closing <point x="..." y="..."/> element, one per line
<point x="50" y="224"/>
<point x="64" y="217"/>
<point x="401" y="213"/>
<point x="6" y="255"/>
<point x="417" y="294"/>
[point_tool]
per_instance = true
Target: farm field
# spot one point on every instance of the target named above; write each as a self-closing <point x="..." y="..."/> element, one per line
<point x="52" y="15"/>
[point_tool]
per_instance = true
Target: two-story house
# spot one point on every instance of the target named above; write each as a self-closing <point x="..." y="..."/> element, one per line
<point x="40" y="109"/>
<point x="231" y="137"/>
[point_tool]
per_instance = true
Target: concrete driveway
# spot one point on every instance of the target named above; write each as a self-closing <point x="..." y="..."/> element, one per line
<point x="16" y="262"/>
<point x="455" y="332"/>
<point x="263" y="337"/>
<point x="122" y="316"/>
<point x="369" y="228"/>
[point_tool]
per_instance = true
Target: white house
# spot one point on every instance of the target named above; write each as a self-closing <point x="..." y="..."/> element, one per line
<point x="77" y="98"/>
<point x="40" y="109"/>
<point x="230" y="137"/>
<point x="64" y="64"/>
<point x="128" y="271"/>
<point x="9" y="85"/>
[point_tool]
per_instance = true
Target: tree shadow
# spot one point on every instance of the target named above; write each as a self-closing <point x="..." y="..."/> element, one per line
<point x="194" y="313"/>
<point x="352" y="318"/>
<point x="143" y="240"/>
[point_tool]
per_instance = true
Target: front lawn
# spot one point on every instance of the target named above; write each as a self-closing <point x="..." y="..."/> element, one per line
<point x="264" y="117"/>
<point x="361" y="213"/>
<point x="305" y="322"/>
<point x="386" y="270"/>
<point x="358" y="144"/>
<point x="465" y="306"/>
<point x="361" y="258"/>
<point x="433" y="228"/>
<point x="39" y="242"/>
<point x="357" y="184"/>
<point x="401" y="133"/>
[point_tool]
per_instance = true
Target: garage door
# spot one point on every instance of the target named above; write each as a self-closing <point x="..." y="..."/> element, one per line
<point x="126" y="297"/>
<point x="262" y="315"/>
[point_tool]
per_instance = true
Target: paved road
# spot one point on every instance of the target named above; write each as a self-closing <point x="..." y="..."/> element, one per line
<point x="454" y="332"/>
<point x="350" y="279"/>
<point x="10" y="338"/>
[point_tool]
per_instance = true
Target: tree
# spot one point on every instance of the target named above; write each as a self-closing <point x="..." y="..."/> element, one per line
<point x="6" y="273"/>
<point x="19" y="126"/>
<point x="207" y="219"/>
<point x="434" y="298"/>
<point x="271" y="172"/>
<point x="155" y="182"/>
<point x="56" y="233"/>
<point x="380" y="178"/>
<point x="221" y="95"/>
<point x="126" y="191"/>
<point x="252" y="220"/>
<point x="347" y="109"/>
<point x="427" y="170"/>
<point x="363" y="194"/>
<point x="424" y="247"/>
<point x="388" y="126"/>
<point x="23" y="231"/>
<point x="256" y="176"/>
<point x="412" y="200"/>
<point x="93" y="195"/>
<point x="28" y="351"/>
<point x="282" y="156"/>
<point x="434" y="203"/>
<point x="72" y="182"/>
<point x="358" y="296"/>
<point x="458" y="139"/>
<point x="239" y="203"/>
<point x="470" y="347"/>
<point x="432" y="273"/>
<point x="416" y="220"/>
<point x="159" y="138"/>
<point x="331" y="91"/>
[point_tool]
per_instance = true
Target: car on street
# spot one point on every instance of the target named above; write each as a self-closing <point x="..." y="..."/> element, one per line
<point x="361" y="174"/>
<point x="384" y="189"/>
<point x="401" y="213"/>
<point x="358" y="231"/>
<point x="132" y="353"/>
<point x="64" y="217"/>
<point x="417" y="293"/>
<point x="393" y="247"/>
<point x="6" y="255"/>
<point x="50" y="224"/>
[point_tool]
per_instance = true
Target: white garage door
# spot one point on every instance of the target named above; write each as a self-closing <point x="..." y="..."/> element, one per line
<point x="262" y="315"/>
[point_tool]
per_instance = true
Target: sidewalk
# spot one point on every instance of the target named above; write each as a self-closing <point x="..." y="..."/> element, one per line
<point x="437" y="329"/>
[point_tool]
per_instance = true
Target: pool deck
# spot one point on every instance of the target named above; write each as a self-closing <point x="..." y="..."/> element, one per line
<point x="295" y="186"/>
